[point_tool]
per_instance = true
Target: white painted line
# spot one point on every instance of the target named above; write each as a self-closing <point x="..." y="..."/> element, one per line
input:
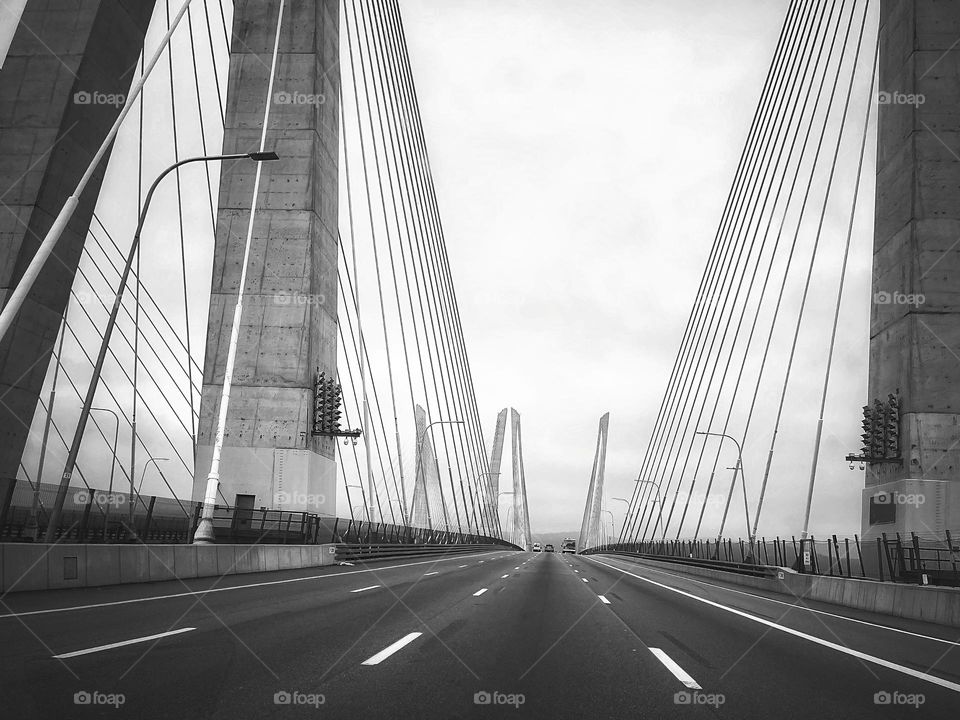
<point x="369" y="587"/>
<point x="516" y="568"/>
<point x="678" y="672"/>
<point x="194" y="593"/>
<point x="463" y="566"/>
<point x="505" y="576"/>
<point x="481" y="562"/>
<point x="479" y="592"/>
<point x="391" y="649"/>
<point x="435" y="572"/>
<point x="584" y="579"/>
<point x="99" y="648"/>
<point x="603" y="600"/>
<point x="807" y="609"/>
<point x="796" y="633"/>
<point x="576" y="570"/>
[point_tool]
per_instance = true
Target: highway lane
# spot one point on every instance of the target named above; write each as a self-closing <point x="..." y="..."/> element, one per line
<point x="543" y="635"/>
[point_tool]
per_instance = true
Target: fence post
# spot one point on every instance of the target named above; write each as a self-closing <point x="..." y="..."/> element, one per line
<point x="919" y="560"/>
<point x="880" y="559"/>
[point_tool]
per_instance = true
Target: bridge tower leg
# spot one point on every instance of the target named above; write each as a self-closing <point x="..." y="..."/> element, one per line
<point x="63" y="59"/>
<point x="915" y="316"/>
<point x="270" y="457"/>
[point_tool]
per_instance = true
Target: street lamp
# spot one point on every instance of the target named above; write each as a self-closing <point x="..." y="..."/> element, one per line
<point x="132" y="504"/>
<point x="111" y="323"/>
<point x="656" y="499"/>
<point x="743" y="484"/>
<point x="113" y="465"/>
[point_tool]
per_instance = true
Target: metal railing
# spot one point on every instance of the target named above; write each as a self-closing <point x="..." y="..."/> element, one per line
<point x="921" y="560"/>
<point x="96" y="516"/>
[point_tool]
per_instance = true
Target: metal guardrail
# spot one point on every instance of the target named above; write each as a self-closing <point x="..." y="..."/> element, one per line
<point x="363" y="553"/>
<point x="920" y="560"/>
<point x="767" y="571"/>
<point x="99" y="516"/>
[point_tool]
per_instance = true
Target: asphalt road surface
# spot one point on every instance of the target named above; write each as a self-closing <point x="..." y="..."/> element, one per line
<point x="495" y="635"/>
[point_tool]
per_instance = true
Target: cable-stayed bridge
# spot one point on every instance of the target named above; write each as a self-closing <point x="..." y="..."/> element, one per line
<point x="278" y="509"/>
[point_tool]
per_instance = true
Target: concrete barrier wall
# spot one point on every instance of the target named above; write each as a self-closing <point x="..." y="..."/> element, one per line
<point x="915" y="602"/>
<point x="47" y="567"/>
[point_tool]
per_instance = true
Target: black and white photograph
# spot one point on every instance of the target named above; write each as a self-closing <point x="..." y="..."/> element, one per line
<point x="479" y="359"/>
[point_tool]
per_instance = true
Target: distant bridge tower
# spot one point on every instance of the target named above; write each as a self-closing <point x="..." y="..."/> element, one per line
<point x="496" y="457"/>
<point x="915" y="317"/>
<point x="270" y="457"/>
<point x="521" y="511"/>
<point x="590" y="528"/>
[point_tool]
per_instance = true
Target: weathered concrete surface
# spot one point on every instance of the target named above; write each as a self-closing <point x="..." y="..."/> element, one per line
<point x="47" y="137"/>
<point x="289" y="316"/>
<point x="915" y="316"/>
<point x="46" y="567"/>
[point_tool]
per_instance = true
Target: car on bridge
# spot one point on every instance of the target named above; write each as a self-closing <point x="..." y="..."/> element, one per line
<point x="536" y="547"/>
<point x="569" y="546"/>
<point x="548" y="548"/>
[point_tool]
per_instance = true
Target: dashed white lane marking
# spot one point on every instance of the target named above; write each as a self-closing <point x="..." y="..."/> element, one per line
<point x="101" y="648"/>
<point x="516" y="568"/>
<point x="479" y="592"/>
<point x="505" y="576"/>
<point x="576" y="571"/>
<point x="463" y="566"/>
<point x="603" y="600"/>
<point x="796" y="633"/>
<point x="391" y="649"/>
<point x="209" y="591"/>
<point x="369" y="587"/>
<point x="435" y="572"/>
<point x="678" y="672"/>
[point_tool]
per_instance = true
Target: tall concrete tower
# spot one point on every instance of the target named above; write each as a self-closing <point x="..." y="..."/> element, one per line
<point x="270" y="457"/>
<point x="915" y="317"/>
<point x="63" y="61"/>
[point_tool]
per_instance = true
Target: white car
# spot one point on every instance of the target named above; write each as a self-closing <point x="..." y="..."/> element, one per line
<point x="536" y="547"/>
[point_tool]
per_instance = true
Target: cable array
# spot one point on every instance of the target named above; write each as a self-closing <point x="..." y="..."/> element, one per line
<point x="765" y="266"/>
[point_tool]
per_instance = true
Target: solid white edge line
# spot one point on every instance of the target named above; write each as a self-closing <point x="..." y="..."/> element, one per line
<point x="479" y="592"/>
<point x="603" y="600"/>
<point x="807" y="609"/>
<point x="100" y="648"/>
<point x="369" y="587"/>
<point x="193" y="593"/>
<point x="678" y="672"/>
<point x="796" y="633"/>
<point x="391" y="649"/>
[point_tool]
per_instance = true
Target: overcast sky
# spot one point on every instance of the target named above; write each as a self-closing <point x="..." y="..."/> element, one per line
<point x="582" y="154"/>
